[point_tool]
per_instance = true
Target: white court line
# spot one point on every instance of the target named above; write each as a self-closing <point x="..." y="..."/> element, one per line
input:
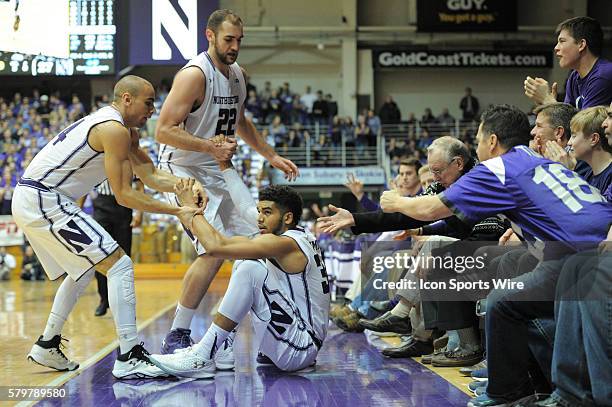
<point x="101" y="354"/>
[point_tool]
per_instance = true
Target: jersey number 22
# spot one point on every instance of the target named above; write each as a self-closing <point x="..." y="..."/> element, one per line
<point x="226" y="124"/>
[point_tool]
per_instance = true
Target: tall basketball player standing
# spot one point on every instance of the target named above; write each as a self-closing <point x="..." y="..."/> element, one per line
<point x="207" y="100"/>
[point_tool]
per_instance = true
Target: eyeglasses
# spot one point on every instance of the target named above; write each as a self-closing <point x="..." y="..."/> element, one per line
<point x="440" y="171"/>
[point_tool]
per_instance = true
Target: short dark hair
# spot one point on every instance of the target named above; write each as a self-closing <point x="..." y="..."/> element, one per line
<point x="509" y="123"/>
<point x="586" y="28"/>
<point x="285" y="197"/>
<point x="560" y="115"/>
<point x="131" y="84"/>
<point x="219" y="16"/>
<point x="411" y="162"/>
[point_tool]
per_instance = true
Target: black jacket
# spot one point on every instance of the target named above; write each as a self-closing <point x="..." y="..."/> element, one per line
<point x="372" y="222"/>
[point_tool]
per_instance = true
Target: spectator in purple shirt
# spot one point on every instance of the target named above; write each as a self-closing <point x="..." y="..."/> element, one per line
<point x="590" y="145"/>
<point x="607" y="126"/>
<point x="579" y="46"/>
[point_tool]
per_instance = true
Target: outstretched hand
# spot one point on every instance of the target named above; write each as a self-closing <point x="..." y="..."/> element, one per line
<point x="406" y="234"/>
<point x="340" y="220"/>
<point x="355" y="185"/>
<point x="287" y="166"/>
<point x="199" y="194"/>
<point x="190" y="193"/>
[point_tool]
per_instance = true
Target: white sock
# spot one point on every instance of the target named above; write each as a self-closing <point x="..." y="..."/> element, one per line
<point x="212" y="340"/>
<point x="231" y="337"/>
<point x="182" y="317"/>
<point x="401" y="310"/>
<point x="65" y="298"/>
<point x="122" y="302"/>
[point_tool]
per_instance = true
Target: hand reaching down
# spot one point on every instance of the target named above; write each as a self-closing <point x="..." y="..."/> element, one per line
<point x="287" y="166"/>
<point x="340" y="220"/>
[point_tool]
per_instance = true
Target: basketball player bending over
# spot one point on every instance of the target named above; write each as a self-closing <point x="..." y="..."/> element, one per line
<point x="287" y="290"/>
<point x="68" y="241"/>
<point x="207" y="100"/>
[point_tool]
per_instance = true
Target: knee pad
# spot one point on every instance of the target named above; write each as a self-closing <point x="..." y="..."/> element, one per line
<point x="123" y="273"/>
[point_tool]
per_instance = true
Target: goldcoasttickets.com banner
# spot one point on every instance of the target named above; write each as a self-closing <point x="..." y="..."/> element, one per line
<point x="383" y="58"/>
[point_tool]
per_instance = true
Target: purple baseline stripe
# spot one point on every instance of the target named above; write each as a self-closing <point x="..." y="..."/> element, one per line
<point x="349" y="372"/>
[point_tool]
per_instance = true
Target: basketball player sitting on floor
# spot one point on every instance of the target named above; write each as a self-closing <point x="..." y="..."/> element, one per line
<point x="287" y="290"/>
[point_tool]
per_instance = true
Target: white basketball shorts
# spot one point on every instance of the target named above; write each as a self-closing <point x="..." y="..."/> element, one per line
<point x="64" y="238"/>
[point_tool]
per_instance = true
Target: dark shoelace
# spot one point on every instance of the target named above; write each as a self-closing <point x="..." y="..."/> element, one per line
<point x="140" y="353"/>
<point x="60" y="346"/>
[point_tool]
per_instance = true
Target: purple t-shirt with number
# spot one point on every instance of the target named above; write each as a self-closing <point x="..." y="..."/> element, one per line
<point x="544" y="200"/>
<point x="595" y="89"/>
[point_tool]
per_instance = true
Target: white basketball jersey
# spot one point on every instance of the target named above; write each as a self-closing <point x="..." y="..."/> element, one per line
<point x="68" y="164"/>
<point x="217" y="114"/>
<point x="310" y="288"/>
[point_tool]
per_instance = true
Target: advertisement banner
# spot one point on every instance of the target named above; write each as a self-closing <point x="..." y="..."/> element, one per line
<point x="332" y="176"/>
<point x="10" y="233"/>
<point x="168" y="32"/>
<point x="466" y="15"/>
<point x="384" y="58"/>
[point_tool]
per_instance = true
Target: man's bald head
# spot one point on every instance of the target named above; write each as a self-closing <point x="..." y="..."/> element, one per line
<point x="131" y="84"/>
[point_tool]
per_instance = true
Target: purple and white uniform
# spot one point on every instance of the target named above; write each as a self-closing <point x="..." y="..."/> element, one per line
<point x="65" y="239"/>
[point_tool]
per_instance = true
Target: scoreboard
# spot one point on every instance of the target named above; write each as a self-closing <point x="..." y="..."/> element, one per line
<point x="57" y="37"/>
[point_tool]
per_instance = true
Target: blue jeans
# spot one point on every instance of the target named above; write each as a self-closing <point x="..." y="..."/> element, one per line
<point x="582" y="356"/>
<point x="362" y="302"/>
<point x="510" y="313"/>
